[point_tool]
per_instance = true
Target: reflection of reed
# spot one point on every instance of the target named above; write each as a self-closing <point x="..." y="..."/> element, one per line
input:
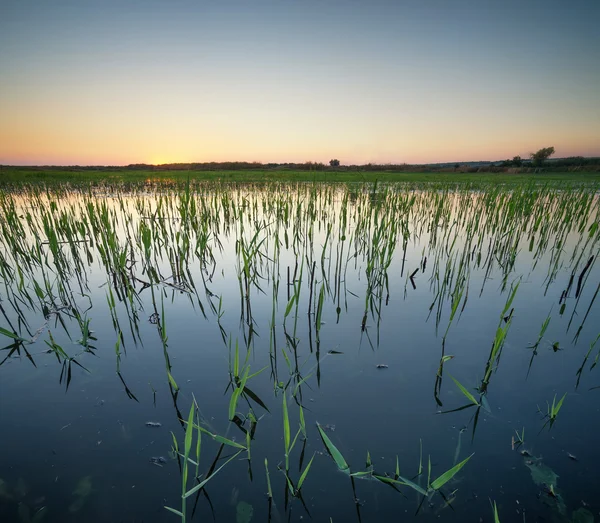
<point x="342" y="253"/>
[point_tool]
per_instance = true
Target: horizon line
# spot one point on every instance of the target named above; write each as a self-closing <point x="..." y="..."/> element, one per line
<point x="460" y="162"/>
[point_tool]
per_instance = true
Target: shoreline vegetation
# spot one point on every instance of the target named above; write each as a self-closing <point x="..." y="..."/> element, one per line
<point x="481" y="175"/>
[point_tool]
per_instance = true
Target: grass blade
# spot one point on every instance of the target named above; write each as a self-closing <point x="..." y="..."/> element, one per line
<point x="269" y="490"/>
<point x="466" y="393"/>
<point x="402" y="482"/>
<point x="334" y="452"/>
<point x="221" y="439"/>
<point x="174" y="511"/>
<point x="305" y="473"/>
<point x="200" y="485"/>
<point x="448" y="475"/>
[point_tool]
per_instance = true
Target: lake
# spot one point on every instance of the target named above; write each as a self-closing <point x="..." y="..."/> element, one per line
<point x="287" y="352"/>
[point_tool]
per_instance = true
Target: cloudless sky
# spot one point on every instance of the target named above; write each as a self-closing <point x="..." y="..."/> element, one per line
<point x="115" y="81"/>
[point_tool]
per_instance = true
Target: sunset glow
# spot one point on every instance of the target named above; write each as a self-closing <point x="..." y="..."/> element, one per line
<point x="115" y="83"/>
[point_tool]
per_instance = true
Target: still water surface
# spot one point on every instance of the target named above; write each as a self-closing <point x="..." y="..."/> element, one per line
<point x="397" y="292"/>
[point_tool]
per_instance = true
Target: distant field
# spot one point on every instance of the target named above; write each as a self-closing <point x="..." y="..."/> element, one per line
<point x="17" y="175"/>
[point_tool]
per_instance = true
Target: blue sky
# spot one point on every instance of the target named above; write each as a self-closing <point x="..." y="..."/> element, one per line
<point x="116" y="82"/>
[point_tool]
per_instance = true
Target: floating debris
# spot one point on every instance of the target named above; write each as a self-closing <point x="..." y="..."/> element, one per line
<point x="541" y="474"/>
<point x="547" y="479"/>
<point x="154" y="424"/>
<point x="82" y="491"/>
<point x="159" y="461"/>
<point x="244" y="512"/>
<point x="583" y="515"/>
<point x="329" y="427"/>
<point x="84" y="487"/>
<point x="382" y="366"/>
<point x="154" y="318"/>
<point x="572" y="456"/>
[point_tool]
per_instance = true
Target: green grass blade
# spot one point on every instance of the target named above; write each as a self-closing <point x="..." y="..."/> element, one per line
<point x="200" y="485"/>
<point x="12" y="335"/>
<point x="466" y="393"/>
<point x="496" y="518"/>
<point x="559" y="405"/>
<point x="290" y="304"/>
<point x="286" y="431"/>
<point x="334" y="452"/>
<point x="174" y="511"/>
<point x="236" y="360"/>
<point x="235" y="396"/>
<point x="449" y="474"/>
<point x="362" y="473"/>
<point x="289" y="484"/>
<point x="302" y="422"/>
<point x="257" y="372"/>
<point x="401" y="482"/>
<point x="221" y="439"/>
<point x="189" y="432"/>
<point x="269" y="490"/>
<point x="429" y="471"/>
<point x="172" y="381"/>
<point x="305" y="473"/>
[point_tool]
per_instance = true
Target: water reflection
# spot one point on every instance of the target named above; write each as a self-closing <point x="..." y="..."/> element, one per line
<point x="218" y="334"/>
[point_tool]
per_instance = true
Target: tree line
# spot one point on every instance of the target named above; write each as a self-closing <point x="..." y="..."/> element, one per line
<point x="536" y="161"/>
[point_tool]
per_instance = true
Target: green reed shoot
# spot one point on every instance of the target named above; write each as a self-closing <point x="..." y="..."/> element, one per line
<point x="520" y="438"/>
<point x="335" y="454"/>
<point x="542" y="332"/>
<point x="432" y="486"/>
<point x="552" y="411"/>
<point x="495" y="512"/>
<point x="305" y="473"/>
<point x="269" y="490"/>
<point x="187" y="460"/>
<point x="472" y="401"/>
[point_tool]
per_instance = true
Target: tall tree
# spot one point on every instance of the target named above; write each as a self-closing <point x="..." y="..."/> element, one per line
<point x="539" y="157"/>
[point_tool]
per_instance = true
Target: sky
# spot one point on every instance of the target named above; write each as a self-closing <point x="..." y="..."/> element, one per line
<point x="114" y="82"/>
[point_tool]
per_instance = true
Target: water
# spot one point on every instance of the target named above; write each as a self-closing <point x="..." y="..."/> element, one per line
<point x="213" y="273"/>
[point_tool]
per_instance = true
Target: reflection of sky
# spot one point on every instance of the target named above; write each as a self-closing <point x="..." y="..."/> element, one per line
<point x="115" y="83"/>
<point x="386" y="411"/>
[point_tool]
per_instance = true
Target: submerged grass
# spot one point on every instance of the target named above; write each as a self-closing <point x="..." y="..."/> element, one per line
<point x="158" y="244"/>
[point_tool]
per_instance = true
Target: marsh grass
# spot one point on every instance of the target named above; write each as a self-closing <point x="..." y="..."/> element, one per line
<point x="343" y="249"/>
<point x="552" y="411"/>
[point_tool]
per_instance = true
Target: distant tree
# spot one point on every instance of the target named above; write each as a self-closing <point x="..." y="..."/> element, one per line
<point x="539" y="157"/>
<point x="334" y="163"/>
<point x="517" y="162"/>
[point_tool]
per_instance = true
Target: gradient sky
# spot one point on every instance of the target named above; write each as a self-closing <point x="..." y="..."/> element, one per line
<point x="115" y="81"/>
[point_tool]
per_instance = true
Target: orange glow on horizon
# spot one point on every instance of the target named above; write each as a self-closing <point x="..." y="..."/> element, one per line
<point x="398" y="82"/>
